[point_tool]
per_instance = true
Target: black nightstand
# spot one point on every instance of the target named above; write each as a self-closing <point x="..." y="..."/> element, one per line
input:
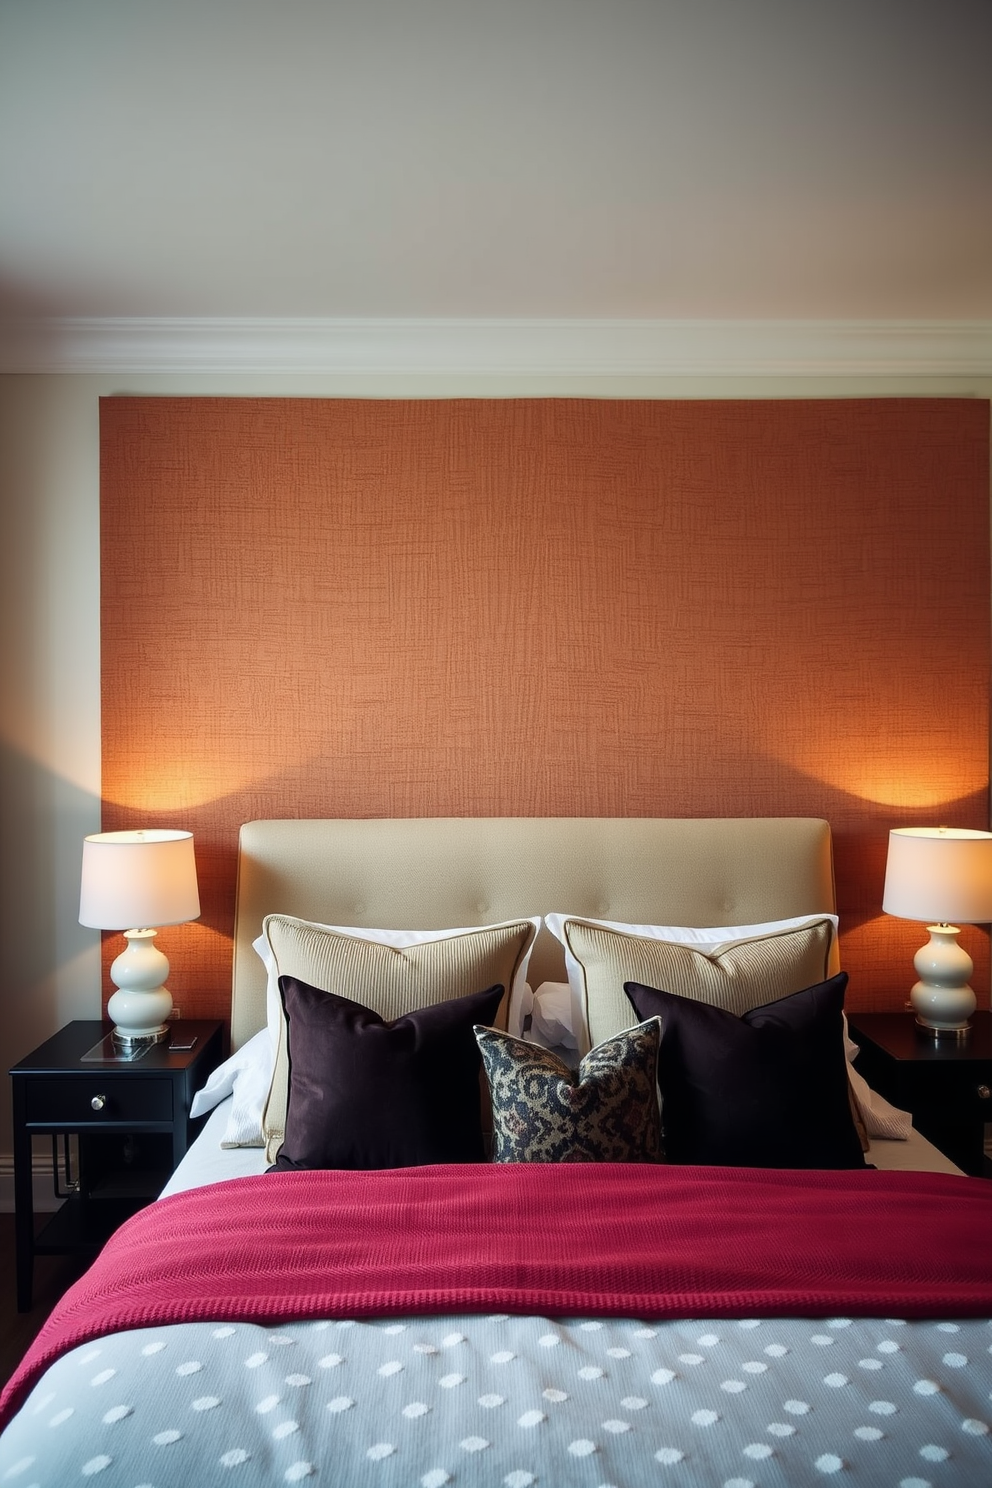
<point x="132" y="1125"/>
<point x="946" y="1083"/>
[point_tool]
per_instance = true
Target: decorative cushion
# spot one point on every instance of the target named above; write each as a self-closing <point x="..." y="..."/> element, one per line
<point x="392" y="972"/>
<point x="766" y="1090"/>
<point x="727" y="967"/>
<point x="366" y="1093"/>
<point x="606" y="1111"/>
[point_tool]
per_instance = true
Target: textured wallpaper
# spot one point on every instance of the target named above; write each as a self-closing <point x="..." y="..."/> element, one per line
<point x="547" y="607"/>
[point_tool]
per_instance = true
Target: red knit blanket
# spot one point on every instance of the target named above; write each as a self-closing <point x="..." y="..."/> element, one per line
<point x="571" y="1239"/>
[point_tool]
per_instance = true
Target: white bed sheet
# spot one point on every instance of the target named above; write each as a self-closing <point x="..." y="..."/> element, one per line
<point x="208" y="1162"/>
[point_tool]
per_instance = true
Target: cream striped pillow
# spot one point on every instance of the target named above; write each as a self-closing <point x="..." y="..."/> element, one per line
<point x="736" y="975"/>
<point x="391" y="972"/>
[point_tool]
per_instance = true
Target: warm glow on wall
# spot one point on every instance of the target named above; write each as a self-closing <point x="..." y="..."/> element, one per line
<point x="925" y="796"/>
<point x="876" y="749"/>
<point x="154" y="789"/>
<point x="898" y="787"/>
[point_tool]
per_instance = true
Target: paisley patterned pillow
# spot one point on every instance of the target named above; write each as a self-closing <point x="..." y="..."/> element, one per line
<point x="605" y="1111"/>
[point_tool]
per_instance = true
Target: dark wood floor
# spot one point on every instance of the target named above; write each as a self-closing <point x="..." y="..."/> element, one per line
<point x="52" y="1275"/>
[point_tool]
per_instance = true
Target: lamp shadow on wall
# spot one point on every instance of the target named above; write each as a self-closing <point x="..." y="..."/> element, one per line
<point x="49" y="963"/>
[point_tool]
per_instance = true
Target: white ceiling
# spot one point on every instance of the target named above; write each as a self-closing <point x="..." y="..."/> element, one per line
<point x="631" y="159"/>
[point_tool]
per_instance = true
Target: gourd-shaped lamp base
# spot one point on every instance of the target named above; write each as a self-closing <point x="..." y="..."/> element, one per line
<point x="942" y="999"/>
<point x="142" y="1004"/>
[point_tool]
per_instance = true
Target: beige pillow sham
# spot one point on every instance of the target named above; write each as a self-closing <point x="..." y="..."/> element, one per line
<point x="391" y="979"/>
<point x="737" y="976"/>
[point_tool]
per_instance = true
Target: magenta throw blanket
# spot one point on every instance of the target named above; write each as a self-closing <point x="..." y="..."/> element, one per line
<point x="556" y="1240"/>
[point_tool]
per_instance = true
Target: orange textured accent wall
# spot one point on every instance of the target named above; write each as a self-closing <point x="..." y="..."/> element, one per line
<point x="547" y="607"/>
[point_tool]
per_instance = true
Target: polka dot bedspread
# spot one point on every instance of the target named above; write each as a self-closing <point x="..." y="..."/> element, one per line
<point x="513" y="1401"/>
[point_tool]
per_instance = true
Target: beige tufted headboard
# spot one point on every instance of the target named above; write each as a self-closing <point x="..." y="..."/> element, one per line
<point x="441" y="872"/>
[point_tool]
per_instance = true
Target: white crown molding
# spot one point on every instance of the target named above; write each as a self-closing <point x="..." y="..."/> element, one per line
<point x="559" y="348"/>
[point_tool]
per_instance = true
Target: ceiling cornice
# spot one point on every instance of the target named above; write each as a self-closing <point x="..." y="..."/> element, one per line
<point x="566" y="348"/>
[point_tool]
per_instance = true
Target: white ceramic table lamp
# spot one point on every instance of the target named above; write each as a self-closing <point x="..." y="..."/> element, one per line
<point x="940" y="875"/>
<point x="132" y="881"/>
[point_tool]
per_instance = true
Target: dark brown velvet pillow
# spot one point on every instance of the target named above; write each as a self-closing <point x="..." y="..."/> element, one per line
<point x="766" y="1090"/>
<point x="364" y="1093"/>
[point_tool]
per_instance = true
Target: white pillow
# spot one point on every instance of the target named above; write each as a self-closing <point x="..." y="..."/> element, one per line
<point x="246" y="1076"/>
<point x="689" y="935"/>
<point x="551" y="1017"/>
<point x="880" y="1119"/>
<point x="520" y="1008"/>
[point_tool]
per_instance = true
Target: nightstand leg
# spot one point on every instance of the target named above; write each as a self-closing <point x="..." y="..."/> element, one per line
<point x="24" y="1214"/>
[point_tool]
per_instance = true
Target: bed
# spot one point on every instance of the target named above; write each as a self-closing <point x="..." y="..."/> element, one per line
<point x="530" y="1312"/>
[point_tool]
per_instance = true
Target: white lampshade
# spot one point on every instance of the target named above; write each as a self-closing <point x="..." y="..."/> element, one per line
<point x="135" y="879"/>
<point x="939" y="874"/>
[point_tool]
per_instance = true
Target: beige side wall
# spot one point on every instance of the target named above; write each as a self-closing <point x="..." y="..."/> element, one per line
<point x="49" y="641"/>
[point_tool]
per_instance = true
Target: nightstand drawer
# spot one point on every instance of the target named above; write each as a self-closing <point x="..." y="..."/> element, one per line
<point x="102" y="1098"/>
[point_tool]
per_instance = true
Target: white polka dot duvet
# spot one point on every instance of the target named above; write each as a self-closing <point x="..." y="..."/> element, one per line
<point x="515" y="1401"/>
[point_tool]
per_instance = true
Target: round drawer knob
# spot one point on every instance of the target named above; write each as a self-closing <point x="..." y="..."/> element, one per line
<point x="98" y="1102"/>
<point x="984" y="1092"/>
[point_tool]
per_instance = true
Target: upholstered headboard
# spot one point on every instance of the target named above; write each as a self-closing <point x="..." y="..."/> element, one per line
<point x="436" y="873"/>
